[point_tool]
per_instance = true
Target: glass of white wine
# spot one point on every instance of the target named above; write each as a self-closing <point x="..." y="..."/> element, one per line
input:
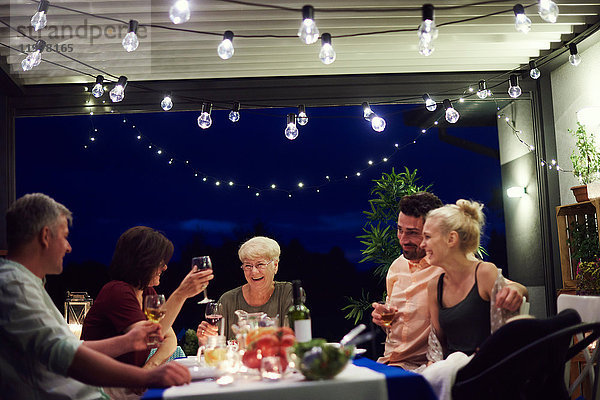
<point x="202" y="262"/>
<point x="388" y="312"/>
<point x="155" y="310"/>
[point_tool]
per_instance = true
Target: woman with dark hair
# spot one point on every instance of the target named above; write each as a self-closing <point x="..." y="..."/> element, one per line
<point x="140" y="257"/>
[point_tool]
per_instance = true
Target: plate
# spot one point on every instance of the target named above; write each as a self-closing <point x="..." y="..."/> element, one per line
<point x="197" y="372"/>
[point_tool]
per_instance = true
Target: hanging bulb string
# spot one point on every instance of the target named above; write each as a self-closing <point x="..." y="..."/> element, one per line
<point x="174" y="159"/>
<point x="516" y="132"/>
<point x="296" y="10"/>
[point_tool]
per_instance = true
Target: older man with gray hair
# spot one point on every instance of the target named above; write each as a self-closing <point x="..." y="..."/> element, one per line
<point x="39" y="357"/>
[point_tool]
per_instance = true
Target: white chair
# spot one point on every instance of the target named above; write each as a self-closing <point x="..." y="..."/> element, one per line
<point x="588" y="308"/>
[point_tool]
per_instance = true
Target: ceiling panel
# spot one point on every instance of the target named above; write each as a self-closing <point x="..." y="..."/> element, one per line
<point x="487" y="44"/>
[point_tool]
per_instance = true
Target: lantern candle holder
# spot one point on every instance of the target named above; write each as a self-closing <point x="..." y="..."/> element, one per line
<point x="77" y="306"/>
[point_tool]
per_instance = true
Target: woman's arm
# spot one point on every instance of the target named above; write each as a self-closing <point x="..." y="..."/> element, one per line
<point x="434" y="309"/>
<point x="166" y="350"/>
<point x="509" y="297"/>
<point x="194" y="282"/>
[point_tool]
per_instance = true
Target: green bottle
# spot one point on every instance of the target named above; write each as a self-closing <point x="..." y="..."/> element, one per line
<point x="299" y="315"/>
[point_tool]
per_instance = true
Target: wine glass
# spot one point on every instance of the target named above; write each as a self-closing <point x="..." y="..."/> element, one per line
<point x="387" y="317"/>
<point x="214" y="315"/>
<point x="201" y="263"/>
<point x="155" y="310"/>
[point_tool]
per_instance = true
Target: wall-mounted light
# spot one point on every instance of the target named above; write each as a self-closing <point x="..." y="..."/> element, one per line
<point x="516" y="191"/>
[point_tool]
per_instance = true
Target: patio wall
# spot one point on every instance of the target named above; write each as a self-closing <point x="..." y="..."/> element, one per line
<point x="574" y="88"/>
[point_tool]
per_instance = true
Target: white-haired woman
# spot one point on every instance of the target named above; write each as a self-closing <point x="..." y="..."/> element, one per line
<point x="459" y="300"/>
<point x="261" y="293"/>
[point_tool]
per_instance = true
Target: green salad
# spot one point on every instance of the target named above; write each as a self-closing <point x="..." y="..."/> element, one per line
<point x="319" y="360"/>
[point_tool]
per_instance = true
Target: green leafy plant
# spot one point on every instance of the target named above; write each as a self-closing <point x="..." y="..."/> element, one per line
<point x="583" y="240"/>
<point x="190" y="343"/>
<point x="379" y="237"/>
<point x="585" y="158"/>
<point x="588" y="278"/>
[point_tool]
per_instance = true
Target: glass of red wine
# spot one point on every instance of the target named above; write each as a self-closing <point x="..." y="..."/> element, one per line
<point x="202" y="262"/>
<point x="214" y="315"/>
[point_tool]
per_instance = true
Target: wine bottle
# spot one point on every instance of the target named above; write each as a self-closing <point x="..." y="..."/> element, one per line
<point x="299" y="315"/>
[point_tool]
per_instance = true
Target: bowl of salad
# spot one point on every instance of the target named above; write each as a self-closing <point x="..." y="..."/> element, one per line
<point x="318" y="359"/>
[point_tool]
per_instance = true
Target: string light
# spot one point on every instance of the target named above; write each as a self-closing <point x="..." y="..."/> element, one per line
<point x="574" y="57"/>
<point x="118" y="92"/>
<point x="302" y="117"/>
<point x="39" y="19"/>
<point x="548" y="11"/>
<point x="308" y="32"/>
<point x="130" y="41"/>
<point x="291" y="130"/>
<point x="327" y="54"/>
<point x="377" y="123"/>
<point x="98" y="89"/>
<point x="167" y="103"/>
<point x="430" y="104"/>
<point x="180" y="12"/>
<point x="204" y="120"/>
<point x="225" y="49"/>
<point x="514" y="90"/>
<point x="452" y="115"/>
<point x="483" y="91"/>
<point x="234" y="114"/>
<point x="522" y="21"/>
<point x="35" y="58"/>
<point x="427" y="31"/>
<point x="534" y="72"/>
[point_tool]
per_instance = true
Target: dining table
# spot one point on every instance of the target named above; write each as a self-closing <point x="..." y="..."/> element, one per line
<point x="363" y="379"/>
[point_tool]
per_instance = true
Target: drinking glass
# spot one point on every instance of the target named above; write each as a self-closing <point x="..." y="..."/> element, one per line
<point x="387" y="317"/>
<point x="201" y="263"/>
<point x="155" y="310"/>
<point x="214" y="316"/>
<point x="270" y="368"/>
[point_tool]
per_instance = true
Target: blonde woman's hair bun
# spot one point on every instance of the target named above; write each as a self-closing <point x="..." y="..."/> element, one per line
<point x="473" y="210"/>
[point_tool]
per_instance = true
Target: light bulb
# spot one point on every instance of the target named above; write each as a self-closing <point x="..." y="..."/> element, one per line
<point x="367" y="112"/>
<point x="452" y="115"/>
<point x="204" y="120"/>
<point x="514" y="90"/>
<point x="308" y="32"/>
<point x="427" y="31"/>
<point x="534" y="72"/>
<point x="117" y="94"/>
<point x="180" y="12"/>
<point x="225" y="48"/>
<point x="130" y="41"/>
<point x="430" y="104"/>
<point x="167" y="103"/>
<point x="377" y="123"/>
<point x="574" y="58"/>
<point x="522" y="22"/>
<point x="291" y="130"/>
<point x="98" y="89"/>
<point x="39" y="20"/>
<point x="482" y="93"/>
<point x="327" y="54"/>
<point x="302" y="117"/>
<point x="234" y="114"/>
<point x="548" y="11"/>
<point x="34" y="59"/>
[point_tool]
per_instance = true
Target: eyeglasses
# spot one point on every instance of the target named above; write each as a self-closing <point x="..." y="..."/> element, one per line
<point x="259" y="266"/>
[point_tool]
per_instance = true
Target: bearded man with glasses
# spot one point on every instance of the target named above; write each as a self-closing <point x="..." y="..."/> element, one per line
<point x="261" y="293"/>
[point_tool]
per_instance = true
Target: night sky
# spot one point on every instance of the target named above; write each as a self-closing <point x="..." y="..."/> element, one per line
<point x="118" y="182"/>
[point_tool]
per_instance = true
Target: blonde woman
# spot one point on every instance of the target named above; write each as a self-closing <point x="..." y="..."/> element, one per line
<point x="459" y="300"/>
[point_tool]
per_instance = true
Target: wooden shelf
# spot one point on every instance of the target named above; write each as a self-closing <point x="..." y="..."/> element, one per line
<point x="586" y="211"/>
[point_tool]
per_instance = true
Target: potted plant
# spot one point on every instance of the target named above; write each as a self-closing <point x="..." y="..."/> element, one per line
<point x="588" y="278"/>
<point x="586" y="161"/>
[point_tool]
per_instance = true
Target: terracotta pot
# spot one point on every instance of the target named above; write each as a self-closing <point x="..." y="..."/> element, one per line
<point x="580" y="193"/>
